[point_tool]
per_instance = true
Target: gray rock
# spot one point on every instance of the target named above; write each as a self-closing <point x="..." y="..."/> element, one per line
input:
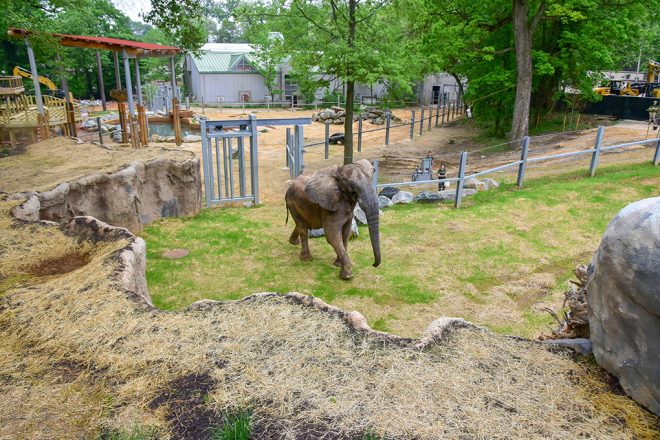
<point x="447" y="194"/>
<point x="579" y="345"/>
<point x="490" y="183"/>
<point x="474" y="183"/>
<point x="360" y="215"/>
<point x="428" y="197"/>
<point x="384" y="202"/>
<point x="624" y="301"/>
<point x="402" y="197"/>
<point x="315" y="233"/>
<point x="389" y="191"/>
<point x="192" y="138"/>
<point x="467" y="192"/>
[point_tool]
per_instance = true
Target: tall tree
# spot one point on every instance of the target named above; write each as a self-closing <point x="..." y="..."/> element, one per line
<point x="351" y="41"/>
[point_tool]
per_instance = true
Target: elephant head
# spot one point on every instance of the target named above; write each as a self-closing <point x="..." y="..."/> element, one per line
<point x="337" y="186"/>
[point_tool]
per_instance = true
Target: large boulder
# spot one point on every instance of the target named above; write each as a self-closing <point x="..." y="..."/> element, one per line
<point x="389" y="191"/>
<point x="316" y="233"/>
<point x="428" y="197"/>
<point x="402" y="197"/>
<point x="624" y="301"/>
<point x="360" y="215"/>
<point x="384" y="202"/>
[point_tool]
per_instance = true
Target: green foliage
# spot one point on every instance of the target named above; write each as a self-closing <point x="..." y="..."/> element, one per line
<point x="181" y="20"/>
<point x="136" y="433"/>
<point x="236" y="426"/>
<point x="573" y="39"/>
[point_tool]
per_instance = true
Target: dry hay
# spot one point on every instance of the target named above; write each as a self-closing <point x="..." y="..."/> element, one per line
<point x="48" y="163"/>
<point x="78" y="358"/>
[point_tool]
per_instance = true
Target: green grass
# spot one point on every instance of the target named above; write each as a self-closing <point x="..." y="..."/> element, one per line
<point x="495" y="261"/>
<point x="236" y="427"/>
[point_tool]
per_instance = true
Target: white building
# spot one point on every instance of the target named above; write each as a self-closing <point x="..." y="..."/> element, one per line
<point x="436" y="87"/>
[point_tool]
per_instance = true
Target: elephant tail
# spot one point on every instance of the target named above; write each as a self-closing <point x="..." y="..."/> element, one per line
<point x="287" y="216"/>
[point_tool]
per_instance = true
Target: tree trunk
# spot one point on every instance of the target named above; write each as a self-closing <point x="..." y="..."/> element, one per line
<point x="350" y="89"/>
<point x="522" y="30"/>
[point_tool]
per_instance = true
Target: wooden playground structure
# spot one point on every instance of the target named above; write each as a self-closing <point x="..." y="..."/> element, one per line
<point x="20" y="112"/>
<point x="40" y="113"/>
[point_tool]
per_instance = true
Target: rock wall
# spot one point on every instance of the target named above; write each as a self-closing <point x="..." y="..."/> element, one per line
<point x="130" y="198"/>
<point x="624" y="301"/>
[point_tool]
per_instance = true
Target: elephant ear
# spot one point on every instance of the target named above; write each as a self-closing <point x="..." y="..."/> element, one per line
<point x="322" y="188"/>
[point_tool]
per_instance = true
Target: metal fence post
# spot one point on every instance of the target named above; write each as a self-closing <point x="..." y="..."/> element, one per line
<point x="374" y="178"/>
<point x="437" y="114"/>
<point x="359" y="133"/>
<point x="327" y="140"/>
<point x="287" y="150"/>
<point x="298" y="155"/>
<point x="461" y="179"/>
<point x="254" y="158"/>
<point x="596" y="156"/>
<point x="523" y="161"/>
<point x="656" y="156"/>
<point x="205" y="161"/>
<point x="421" y="121"/>
<point x="412" y="124"/>
<point x="388" y="118"/>
<point x="100" y="127"/>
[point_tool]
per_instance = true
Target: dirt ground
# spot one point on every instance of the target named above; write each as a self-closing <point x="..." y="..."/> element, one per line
<point x="44" y="165"/>
<point x="399" y="158"/>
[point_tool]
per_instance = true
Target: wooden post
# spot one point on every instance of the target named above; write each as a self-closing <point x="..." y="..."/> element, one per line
<point x="421" y="121"/>
<point x="327" y="140"/>
<point x="430" y="117"/>
<point x="437" y="114"/>
<point x="359" y="134"/>
<point x="596" y="155"/>
<point x="42" y="119"/>
<point x="388" y="119"/>
<point x="100" y="79"/>
<point x="442" y="123"/>
<point x="523" y="161"/>
<point x="100" y="128"/>
<point x="412" y="124"/>
<point x="141" y="114"/>
<point x="176" y="121"/>
<point x="461" y="179"/>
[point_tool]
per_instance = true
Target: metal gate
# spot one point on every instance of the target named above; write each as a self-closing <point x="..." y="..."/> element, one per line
<point x="230" y="157"/>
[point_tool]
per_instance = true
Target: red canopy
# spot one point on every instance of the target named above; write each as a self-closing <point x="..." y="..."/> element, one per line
<point x="133" y="48"/>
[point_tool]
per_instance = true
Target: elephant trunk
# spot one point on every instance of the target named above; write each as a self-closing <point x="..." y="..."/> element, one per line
<point x="369" y="203"/>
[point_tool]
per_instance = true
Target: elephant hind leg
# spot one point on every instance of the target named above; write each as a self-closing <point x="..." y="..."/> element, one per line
<point x="295" y="236"/>
<point x="305" y="255"/>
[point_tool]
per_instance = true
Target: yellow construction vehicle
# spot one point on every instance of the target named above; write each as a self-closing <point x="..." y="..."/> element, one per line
<point x="54" y="91"/>
<point x="650" y="88"/>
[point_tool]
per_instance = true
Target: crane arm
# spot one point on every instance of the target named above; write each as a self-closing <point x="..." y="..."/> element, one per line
<point x="19" y="71"/>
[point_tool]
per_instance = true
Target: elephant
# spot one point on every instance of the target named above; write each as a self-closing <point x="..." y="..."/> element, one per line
<point x="326" y="199"/>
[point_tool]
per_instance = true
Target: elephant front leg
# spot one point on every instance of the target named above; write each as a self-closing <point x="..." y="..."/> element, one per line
<point x="345" y="235"/>
<point x="335" y="238"/>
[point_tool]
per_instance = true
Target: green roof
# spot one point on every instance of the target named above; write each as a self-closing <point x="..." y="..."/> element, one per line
<point x="219" y="62"/>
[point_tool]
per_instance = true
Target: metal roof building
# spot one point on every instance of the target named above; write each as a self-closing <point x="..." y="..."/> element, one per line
<point x="224" y="73"/>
